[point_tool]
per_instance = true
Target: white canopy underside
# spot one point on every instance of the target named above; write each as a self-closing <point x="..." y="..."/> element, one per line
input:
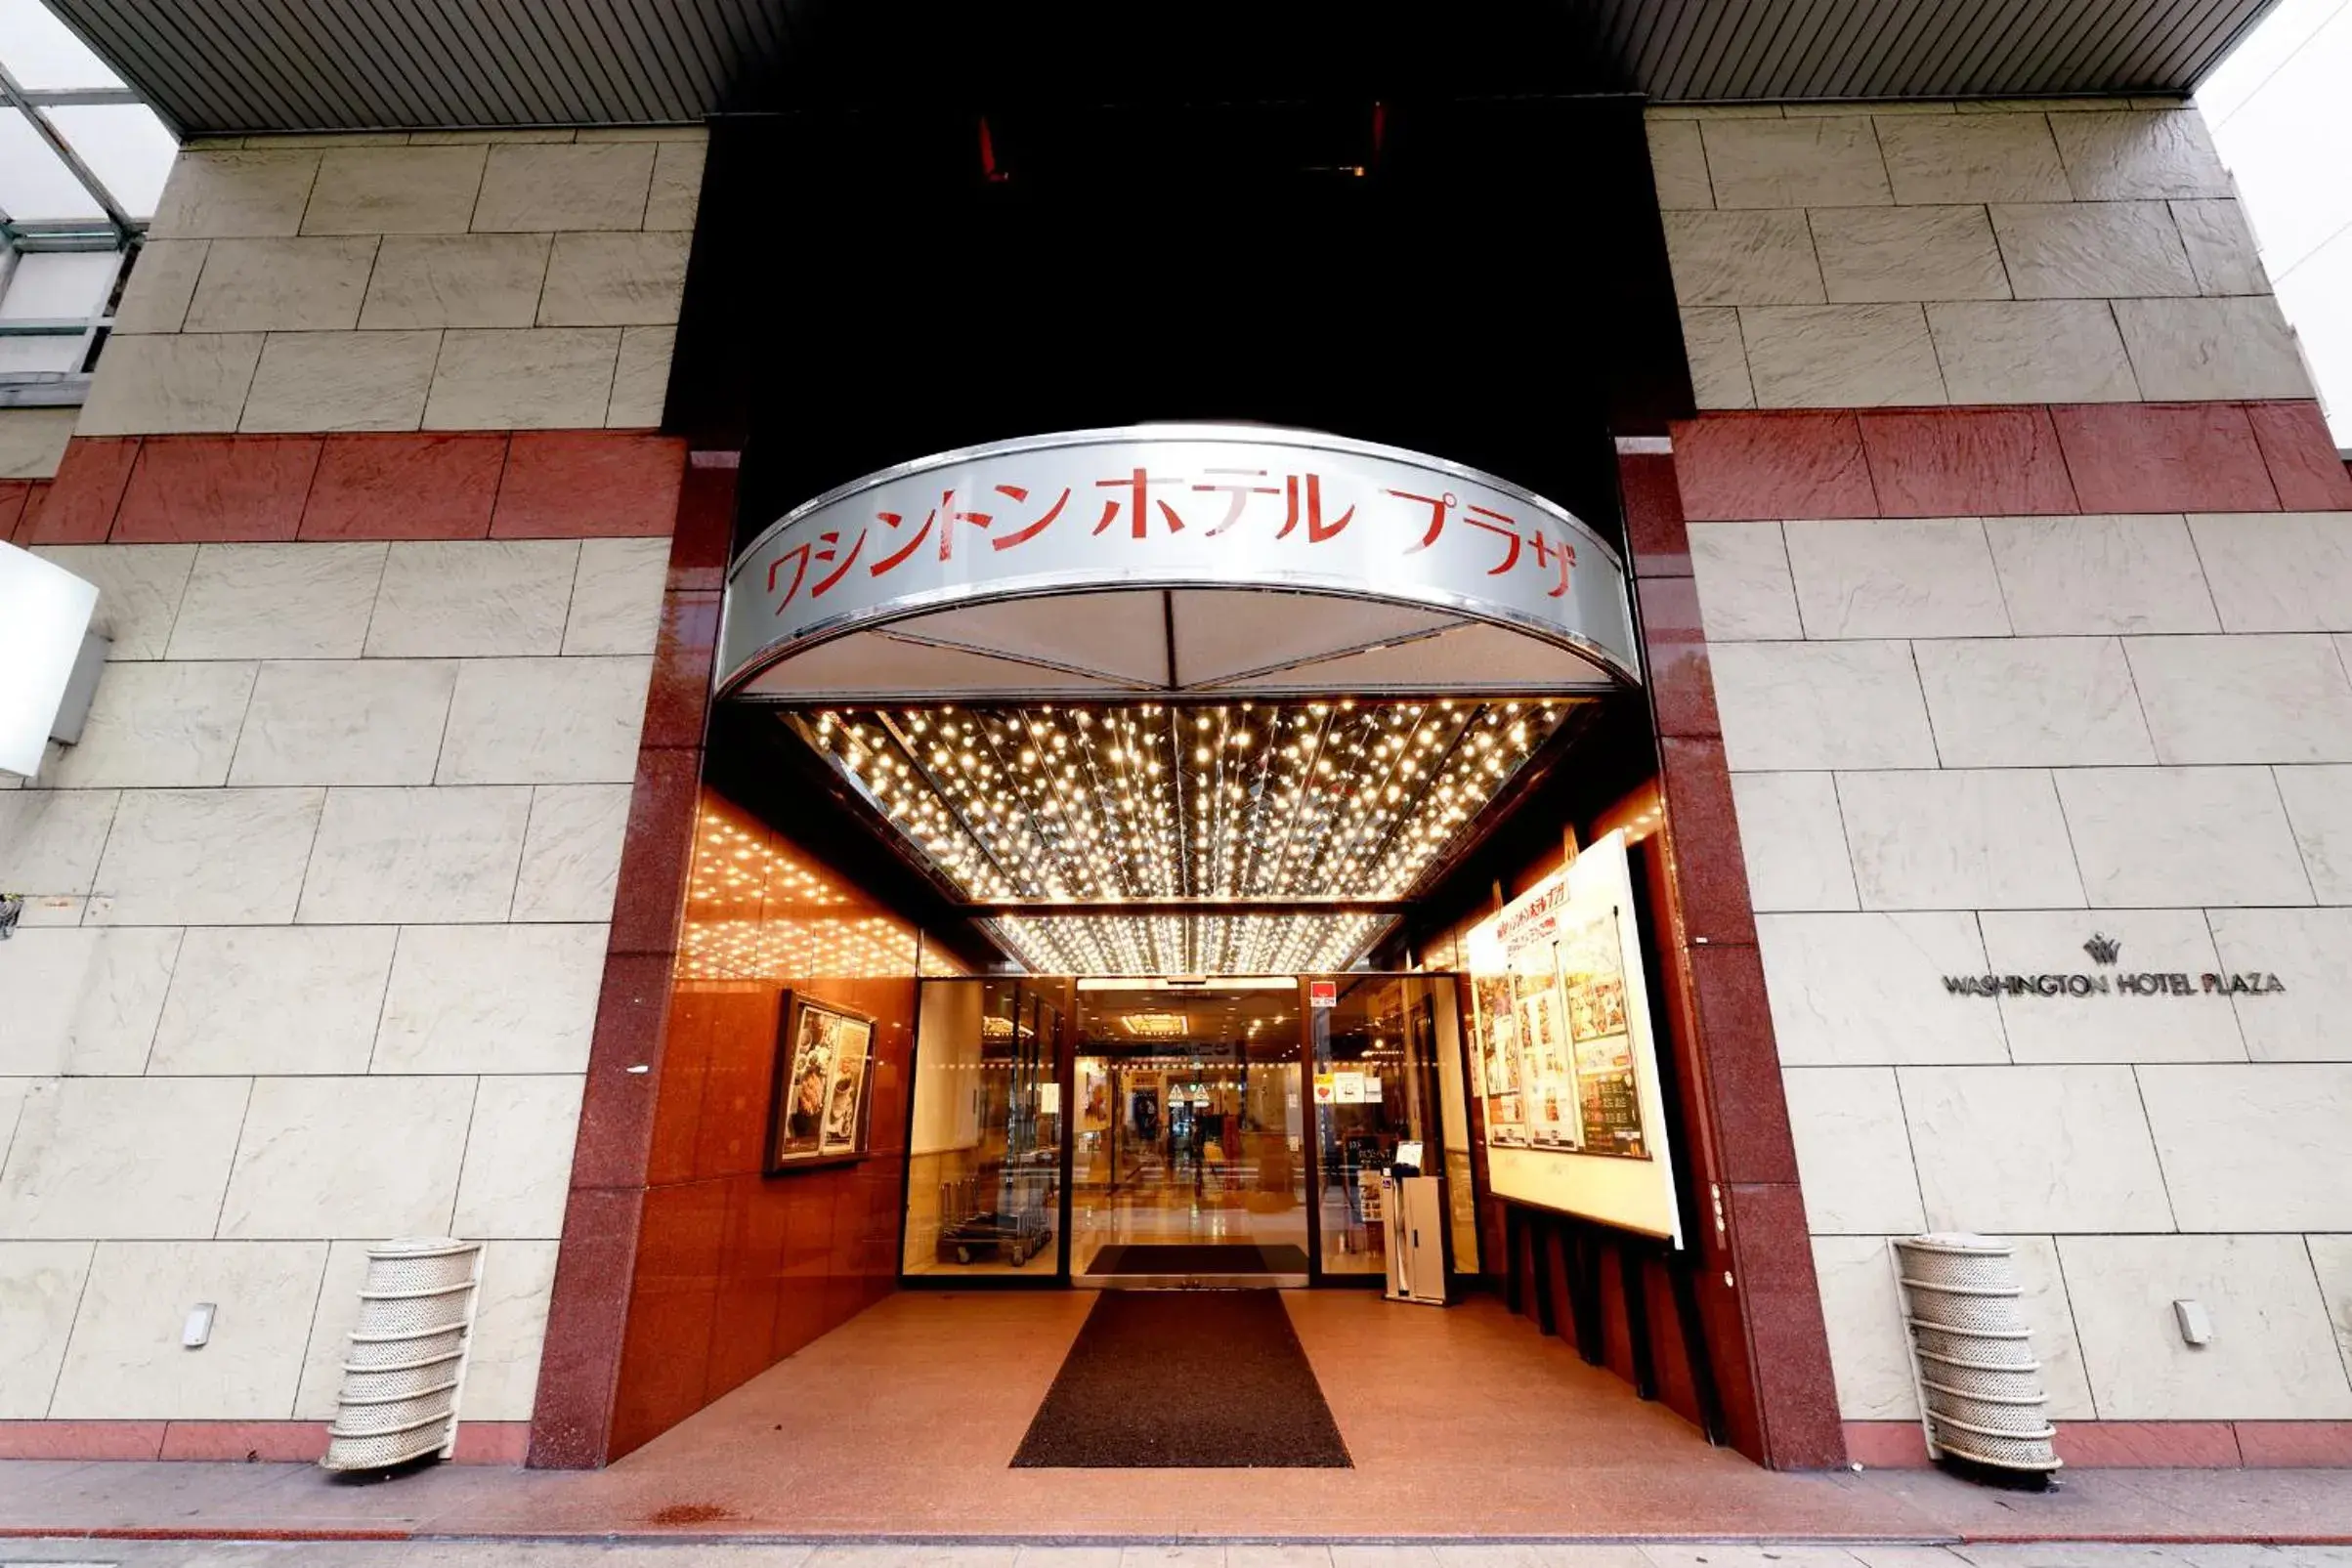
<point x="1158" y="641"/>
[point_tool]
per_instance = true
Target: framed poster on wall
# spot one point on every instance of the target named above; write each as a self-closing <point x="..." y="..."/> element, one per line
<point x="1566" y="1054"/>
<point x="819" y="1110"/>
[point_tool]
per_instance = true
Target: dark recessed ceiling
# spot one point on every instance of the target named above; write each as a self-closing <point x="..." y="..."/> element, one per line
<point x="222" y="66"/>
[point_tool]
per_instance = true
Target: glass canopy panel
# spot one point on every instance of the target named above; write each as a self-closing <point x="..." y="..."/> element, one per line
<point x="124" y="144"/>
<point x="42" y="53"/>
<point x="1275" y="801"/>
<point x="34" y="183"/>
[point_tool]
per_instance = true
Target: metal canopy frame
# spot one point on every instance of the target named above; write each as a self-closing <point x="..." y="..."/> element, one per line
<point x="116" y="232"/>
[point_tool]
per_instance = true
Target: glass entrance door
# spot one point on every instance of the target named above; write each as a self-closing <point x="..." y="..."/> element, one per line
<point x="1375" y="1042"/>
<point x="1189" y="1161"/>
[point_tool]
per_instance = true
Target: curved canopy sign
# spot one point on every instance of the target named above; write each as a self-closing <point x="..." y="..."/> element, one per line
<point x="1143" y="561"/>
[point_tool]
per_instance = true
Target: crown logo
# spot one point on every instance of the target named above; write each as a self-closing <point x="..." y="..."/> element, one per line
<point x="2103" y="949"/>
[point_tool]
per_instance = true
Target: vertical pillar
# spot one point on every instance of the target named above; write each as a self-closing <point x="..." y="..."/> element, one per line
<point x="587" y="1318"/>
<point x="1758" y="1300"/>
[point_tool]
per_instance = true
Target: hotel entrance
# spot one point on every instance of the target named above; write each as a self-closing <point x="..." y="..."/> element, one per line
<point x="1162" y="1133"/>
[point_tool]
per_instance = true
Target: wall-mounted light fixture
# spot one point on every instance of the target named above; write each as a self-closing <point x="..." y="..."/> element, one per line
<point x="49" y="658"/>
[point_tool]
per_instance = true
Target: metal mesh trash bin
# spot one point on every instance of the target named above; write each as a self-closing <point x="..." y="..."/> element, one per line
<point x="408" y="1355"/>
<point x="1980" y="1388"/>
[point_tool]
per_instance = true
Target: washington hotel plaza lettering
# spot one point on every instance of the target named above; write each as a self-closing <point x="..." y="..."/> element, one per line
<point x="2105" y="951"/>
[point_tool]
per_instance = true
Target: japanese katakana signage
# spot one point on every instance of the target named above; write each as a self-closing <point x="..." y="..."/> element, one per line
<point x="1176" y="506"/>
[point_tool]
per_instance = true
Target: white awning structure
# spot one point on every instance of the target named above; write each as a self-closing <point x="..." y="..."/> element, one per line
<point x="1174" y="560"/>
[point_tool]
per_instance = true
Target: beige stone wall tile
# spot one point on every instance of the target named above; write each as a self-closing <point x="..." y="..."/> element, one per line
<point x="1718" y="357"/>
<point x="2091" y="575"/>
<point x="206" y="856"/>
<point x="2273" y="1355"/>
<point x="81" y="1001"/>
<point x="2032" y="702"/>
<point x="277" y="600"/>
<point x="1678" y="165"/>
<point x="50" y="840"/>
<point x="529" y="136"/>
<point x="2305" y="947"/>
<point x="363" y="721"/>
<point x="162" y="283"/>
<point x="2034" y="1148"/>
<point x="510" y="1324"/>
<point x="2137" y="155"/>
<point x="2273" y="698"/>
<point x="2092" y="249"/>
<point x="544" y="721"/>
<point x="1973" y="157"/>
<point x="126" y="1361"/>
<point x="331" y="1324"/>
<point x="1840" y="356"/>
<point x="456" y="280"/>
<point x="323" y="140"/>
<point x="1853" y="1155"/>
<point x="2110" y="1028"/>
<point x="287" y="286"/>
<point x="678" y="185"/>
<point x="571" y="853"/>
<point x="2249" y="1146"/>
<point x="540" y="378"/>
<point x="156" y="386"/>
<point x="1869" y="1355"/>
<point x="615" y="281"/>
<point x="235" y="194"/>
<point x="515" y="1181"/>
<point x="2182" y="838"/>
<point x="2319" y="804"/>
<point x="1881" y="254"/>
<point x="498" y="998"/>
<point x="474" y="599"/>
<point x="96" y="1158"/>
<point x="395" y="191"/>
<point x="2185" y="349"/>
<point x="1846" y="989"/>
<point x="1820" y="162"/>
<point x="2043" y="351"/>
<point x="40" y="1285"/>
<point x="2221" y="247"/>
<point x="1742" y="258"/>
<point x="2278" y="571"/>
<point x="274" y="1000"/>
<point x="139" y="589"/>
<point x="32" y="440"/>
<point x="1744" y="591"/>
<point x="320" y="1157"/>
<point x="533" y="188"/>
<point x="402" y="855"/>
<point x="641" y="377"/>
<point x="1958" y="838"/>
<point x="1814" y="706"/>
<point x="157" y="725"/>
<point x="616" y="596"/>
<point x="1713" y="111"/>
<point x="327" y="381"/>
<point x="1894" y="577"/>
<point x="682" y="135"/>
<point x="1793" y="841"/>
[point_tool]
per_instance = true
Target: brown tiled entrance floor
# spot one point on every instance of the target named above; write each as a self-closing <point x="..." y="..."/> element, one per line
<point x="1462" y="1423"/>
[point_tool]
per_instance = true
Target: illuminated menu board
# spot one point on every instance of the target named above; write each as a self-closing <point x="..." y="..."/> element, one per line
<point x="1565" y="1065"/>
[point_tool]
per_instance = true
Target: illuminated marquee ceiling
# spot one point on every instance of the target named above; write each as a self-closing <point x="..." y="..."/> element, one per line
<point x="1299" y="813"/>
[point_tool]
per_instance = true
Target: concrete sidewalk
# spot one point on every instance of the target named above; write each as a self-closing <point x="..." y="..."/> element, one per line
<point x="737" y="1554"/>
<point x="111" y="1504"/>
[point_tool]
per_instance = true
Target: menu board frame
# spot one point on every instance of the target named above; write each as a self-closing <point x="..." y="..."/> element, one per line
<point x="1568" y="1077"/>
